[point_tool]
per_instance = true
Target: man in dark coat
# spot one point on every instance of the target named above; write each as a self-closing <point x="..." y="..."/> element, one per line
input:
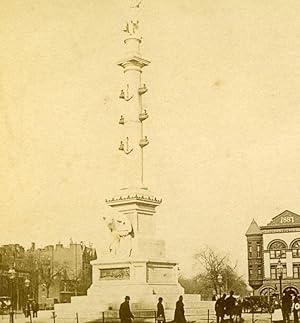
<point x="230" y="305"/>
<point x="179" y="311"/>
<point x="35" y="308"/>
<point x="125" y="313"/>
<point x="296" y="308"/>
<point x="286" y="307"/>
<point x="220" y="308"/>
<point x="160" y="311"/>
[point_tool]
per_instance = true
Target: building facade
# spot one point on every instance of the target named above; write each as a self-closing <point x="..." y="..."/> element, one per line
<point x="63" y="271"/>
<point x="14" y="285"/>
<point x="274" y="255"/>
<point x="47" y="275"/>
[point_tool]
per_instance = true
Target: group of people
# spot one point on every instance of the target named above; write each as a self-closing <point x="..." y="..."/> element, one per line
<point x="228" y="306"/>
<point x="126" y="315"/>
<point x="290" y="304"/>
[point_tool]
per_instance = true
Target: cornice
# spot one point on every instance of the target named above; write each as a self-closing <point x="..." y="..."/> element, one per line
<point x="134" y="197"/>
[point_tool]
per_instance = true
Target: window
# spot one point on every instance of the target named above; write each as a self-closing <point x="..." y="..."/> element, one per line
<point x="277" y="250"/>
<point x="258" y="249"/>
<point x="296" y="270"/>
<point x="249" y="249"/>
<point x="276" y="254"/>
<point x="259" y="272"/>
<point x="296" y="249"/>
<point x="250" y="271"/>
<point x="275" y="274"/>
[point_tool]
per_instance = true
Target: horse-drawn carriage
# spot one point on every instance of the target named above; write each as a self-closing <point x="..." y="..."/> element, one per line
<point x="5" y="303"/>
<point x="256" y="304"/>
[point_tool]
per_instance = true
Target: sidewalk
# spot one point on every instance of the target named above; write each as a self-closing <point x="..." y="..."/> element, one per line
<point x="43" y="317"/>
<point x="257" y="317"/>
<point x="46" y="317"/>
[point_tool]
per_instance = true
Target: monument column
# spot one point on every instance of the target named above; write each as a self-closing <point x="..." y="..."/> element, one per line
<point x="134" y="262"/>
<point x="132" y="120"/>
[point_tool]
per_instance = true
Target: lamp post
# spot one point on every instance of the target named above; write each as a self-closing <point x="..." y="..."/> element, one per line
<point x="27" y="292"/>
<point x="220" y="280"/>
<point x="11" y="276"/>
<point x="279" y="272"/>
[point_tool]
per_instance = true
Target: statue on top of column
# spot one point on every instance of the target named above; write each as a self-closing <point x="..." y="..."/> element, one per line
<point x="131" y="27"/>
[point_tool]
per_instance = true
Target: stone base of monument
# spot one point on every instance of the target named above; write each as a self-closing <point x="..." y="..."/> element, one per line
<point x="143" y="280"/>
<point x="90" y="310"/>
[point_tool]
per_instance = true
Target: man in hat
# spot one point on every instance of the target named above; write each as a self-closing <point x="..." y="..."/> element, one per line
<point x="286" y="307"/>
<point x="125" y="313"/>
<point x="230" y="303"/>
<point x="220" y="308"/>
<point x="160" y="311"/>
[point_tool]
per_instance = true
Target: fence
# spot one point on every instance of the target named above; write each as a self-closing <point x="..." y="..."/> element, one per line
<point x="206" y="316"/>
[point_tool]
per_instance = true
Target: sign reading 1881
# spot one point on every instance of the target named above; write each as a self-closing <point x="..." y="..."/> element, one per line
<point x="287" y="219"/>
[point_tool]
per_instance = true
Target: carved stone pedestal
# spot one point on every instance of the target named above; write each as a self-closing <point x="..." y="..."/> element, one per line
<point x="143" y="280"/>
<point x="136" y="265"/>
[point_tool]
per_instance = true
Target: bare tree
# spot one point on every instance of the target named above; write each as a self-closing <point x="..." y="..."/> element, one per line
<point x="73" y="278"/>
<point x="215" y="274"/>
<point x="47" y="274"/>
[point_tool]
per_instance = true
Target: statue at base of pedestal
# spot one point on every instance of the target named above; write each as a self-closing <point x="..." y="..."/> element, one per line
<point x="122" y="234"/>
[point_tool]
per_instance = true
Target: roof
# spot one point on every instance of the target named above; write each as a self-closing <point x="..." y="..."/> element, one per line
<point x="285" y="218"/>
<point x="253" y="229"/>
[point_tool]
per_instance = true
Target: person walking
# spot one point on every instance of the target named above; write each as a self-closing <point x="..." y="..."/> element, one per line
<point x="295" y="308"/>
<point x="125" y="313"/>
<point x="238" y="311"/>
<point x="286" y="307"/>
<point x="160" y="311"/>
<point x="277" y="313"/>
<point x="220" y="308"/>
<point x="179" y="311"/>
<point x="230" y="305"/>
<point x="35" y="309"/>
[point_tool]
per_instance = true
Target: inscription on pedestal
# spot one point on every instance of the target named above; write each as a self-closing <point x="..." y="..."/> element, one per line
<point x="115" y="273"/>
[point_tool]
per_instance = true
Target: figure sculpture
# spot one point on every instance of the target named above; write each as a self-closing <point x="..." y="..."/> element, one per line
<point x="122" y="234"/>
<point x="131" y="27"/>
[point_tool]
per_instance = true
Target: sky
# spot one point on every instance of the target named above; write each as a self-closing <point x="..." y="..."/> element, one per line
<point x="224" y="120"/>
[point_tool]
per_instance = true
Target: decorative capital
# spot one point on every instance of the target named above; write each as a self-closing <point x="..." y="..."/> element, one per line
<point x="133" y="62"/>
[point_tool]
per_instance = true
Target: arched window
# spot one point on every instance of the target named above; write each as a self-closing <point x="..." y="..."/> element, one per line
<point x="268" y="291"/>
<point x="277" y="249"/>
<point x="296" y="248"/>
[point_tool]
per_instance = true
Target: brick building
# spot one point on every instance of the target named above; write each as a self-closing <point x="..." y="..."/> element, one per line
<point x="64" y="271"/>
<point x="53" y="273"/>
<point x="14" y="256"/>
<point x="274" y="255"/>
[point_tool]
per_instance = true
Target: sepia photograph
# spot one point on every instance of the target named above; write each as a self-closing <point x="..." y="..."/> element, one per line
<point x="149" y="161"/>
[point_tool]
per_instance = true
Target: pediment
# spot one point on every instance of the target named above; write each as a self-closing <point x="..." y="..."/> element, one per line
<point x="285" y="218"/>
